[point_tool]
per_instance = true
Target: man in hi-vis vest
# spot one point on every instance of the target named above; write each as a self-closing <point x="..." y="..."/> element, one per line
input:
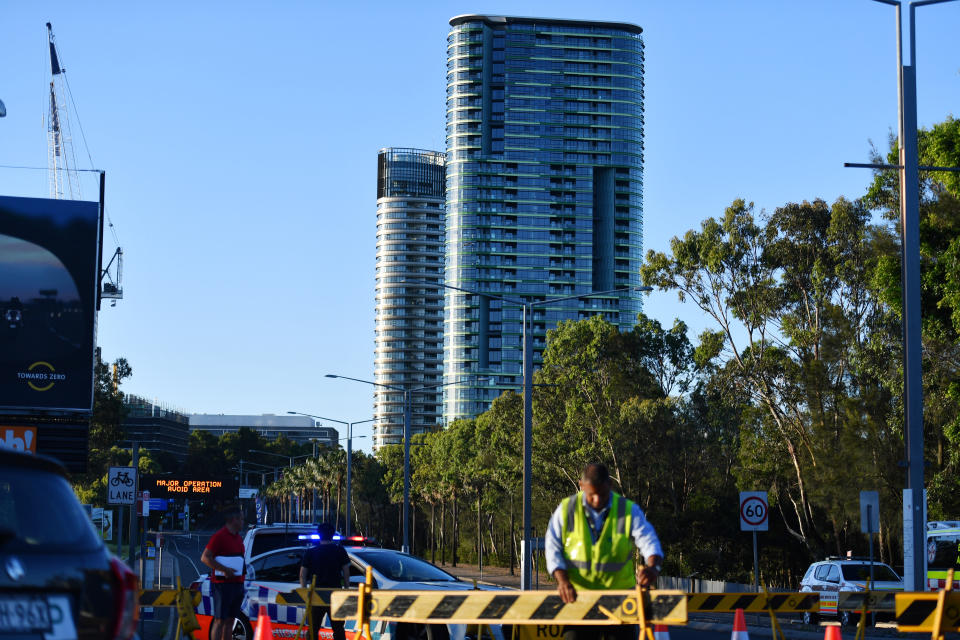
<point x="589" y="545"/>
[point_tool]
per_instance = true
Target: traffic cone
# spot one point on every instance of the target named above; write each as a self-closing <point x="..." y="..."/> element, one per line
<point x="264" y="626"/>
<point x="739" y="627"/>
<point x="832" y="633"/>
<point x="661" y="632"/>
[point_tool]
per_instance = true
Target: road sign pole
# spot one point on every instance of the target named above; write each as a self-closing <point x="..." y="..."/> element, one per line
<point x="133" y="515"/>
<point x="756" y="564"/>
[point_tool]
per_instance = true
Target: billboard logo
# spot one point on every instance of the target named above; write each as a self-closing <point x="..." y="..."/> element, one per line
<point x="41" y="376"/>
<point x="19" y="439"/>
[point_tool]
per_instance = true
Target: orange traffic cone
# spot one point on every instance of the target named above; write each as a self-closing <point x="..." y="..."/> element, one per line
<point x="739" y="627"/>
<point x="832" y="633"/>
<point x="264" y="627"/>
<point x="661" y="632"/>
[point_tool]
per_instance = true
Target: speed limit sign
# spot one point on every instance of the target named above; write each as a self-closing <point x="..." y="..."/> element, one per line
<point x="753" y="511"/>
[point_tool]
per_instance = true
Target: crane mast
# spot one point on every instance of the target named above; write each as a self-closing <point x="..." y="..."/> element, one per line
<point x="61" y="161"/>
<point x="62" y="167"/>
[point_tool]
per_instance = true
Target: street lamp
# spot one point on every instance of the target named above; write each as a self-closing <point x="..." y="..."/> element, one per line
<point x="914" y="525"/>
<point x="280" y="455"/>
<point x="525" y="545"/>
<point x="290" y="459"/>
<point x="407" y="409"/>
<point x="349" y="440"/>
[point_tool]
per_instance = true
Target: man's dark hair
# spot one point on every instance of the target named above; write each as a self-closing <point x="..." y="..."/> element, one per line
<point x="232" y="512"/>
<point x="326" y="531"/>
<point x="596" y="474"/>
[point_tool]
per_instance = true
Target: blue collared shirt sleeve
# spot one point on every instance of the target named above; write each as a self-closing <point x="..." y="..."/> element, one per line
<point x="553" y="542"/>
<point x="644" y="535"/>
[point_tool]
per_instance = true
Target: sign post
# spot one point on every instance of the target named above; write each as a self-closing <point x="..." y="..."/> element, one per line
<point x="870" y="519"/>
<point x="122" y="486"/>
<point x="753" y="517"/>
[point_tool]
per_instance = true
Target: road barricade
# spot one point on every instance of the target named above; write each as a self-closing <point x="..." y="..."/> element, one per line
<point x="184" y="600"/>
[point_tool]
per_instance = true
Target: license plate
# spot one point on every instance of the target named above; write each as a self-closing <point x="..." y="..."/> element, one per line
<point x="19" y="614"/>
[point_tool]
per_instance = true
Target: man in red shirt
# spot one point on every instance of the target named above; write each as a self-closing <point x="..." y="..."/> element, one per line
<point x="224" y="555"/>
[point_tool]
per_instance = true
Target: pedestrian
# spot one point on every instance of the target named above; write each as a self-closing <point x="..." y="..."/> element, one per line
<point x="589" y="545"/>
<point x="329" y="563"/>
<point x="224" y="555"/>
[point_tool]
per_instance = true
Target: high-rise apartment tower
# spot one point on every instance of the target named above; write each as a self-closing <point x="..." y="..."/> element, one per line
<point x="544" y="187"/>
<point x="409" y="311"/>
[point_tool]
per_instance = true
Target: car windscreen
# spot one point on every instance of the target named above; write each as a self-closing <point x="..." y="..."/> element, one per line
<point x="861" y="572"/>
<point x="402" y="568"/>
<point x="61" y="524"/>
<point x="265" y="541"/>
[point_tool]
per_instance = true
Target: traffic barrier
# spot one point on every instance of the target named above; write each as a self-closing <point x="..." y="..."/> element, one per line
<point x="184" y="600"/>
<point x="730" y="602"/>
<point x="936" y="612"/>
<point x="739" y="627"/>
<point x="871" y="600"/>
<point x="498" y="607"/>
<point x="165" y="598"/>
<point x="300" y="597"/>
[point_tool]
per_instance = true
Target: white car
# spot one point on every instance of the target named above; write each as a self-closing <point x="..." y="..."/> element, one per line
<point x="278" y="571"/>
<point x="833" y="575"/>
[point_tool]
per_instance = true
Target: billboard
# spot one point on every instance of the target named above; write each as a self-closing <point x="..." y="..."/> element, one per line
<point x="197" y="488"/>
<point x="61" y="438"/>
<point x="49" y="276"/>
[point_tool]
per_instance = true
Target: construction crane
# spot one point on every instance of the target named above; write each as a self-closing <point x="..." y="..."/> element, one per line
<point x="61" y="161"/>
<point x="62" y="164"/>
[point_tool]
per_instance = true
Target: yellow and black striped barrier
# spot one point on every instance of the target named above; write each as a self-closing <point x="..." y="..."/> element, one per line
<point x="183" y="599"/>
<point x="165" y="598"/>
<point x="872" y="600"/>
<point x="917" y="611"/>
<point x="760" y="602"/>
<point x="529" y="607"/>
<point x="300" y="597"/>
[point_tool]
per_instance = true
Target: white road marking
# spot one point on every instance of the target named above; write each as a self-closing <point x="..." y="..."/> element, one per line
<point x="181" y="554"/>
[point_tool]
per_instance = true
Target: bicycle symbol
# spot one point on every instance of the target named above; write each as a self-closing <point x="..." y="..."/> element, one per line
<point x="121" y="477"/>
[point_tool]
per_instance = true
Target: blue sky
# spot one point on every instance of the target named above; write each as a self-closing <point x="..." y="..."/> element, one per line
<point x="240" y="144"/>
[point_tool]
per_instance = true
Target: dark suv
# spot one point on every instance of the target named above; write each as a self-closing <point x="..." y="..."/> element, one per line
<point x="57" y="579"/>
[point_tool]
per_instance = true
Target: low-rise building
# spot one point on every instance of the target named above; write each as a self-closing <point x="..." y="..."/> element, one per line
<point x="156" y="427"/>
<point x="301" y="429"/>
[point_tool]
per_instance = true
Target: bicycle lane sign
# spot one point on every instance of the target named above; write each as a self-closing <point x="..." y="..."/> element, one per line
<point x="753" y="511"/>
<point x="122" y="485"/>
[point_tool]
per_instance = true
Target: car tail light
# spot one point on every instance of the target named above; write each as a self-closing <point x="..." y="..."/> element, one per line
<point x="126" y="600"/>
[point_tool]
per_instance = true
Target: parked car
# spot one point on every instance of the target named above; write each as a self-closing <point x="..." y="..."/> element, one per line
<point x="831" y="576"/>
<point x="278" y="571"/>
<point x="58" y="580"/>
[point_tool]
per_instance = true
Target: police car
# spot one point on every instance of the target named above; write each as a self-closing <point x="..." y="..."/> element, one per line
<point x="835" y="574"/>
<point x="278" y="571"/>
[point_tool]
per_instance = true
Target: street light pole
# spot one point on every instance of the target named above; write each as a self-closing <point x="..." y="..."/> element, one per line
<point x="914" y="521"/>
<point x="349" y="440"/>
<point x="407" y="411"/>
<point x="526" y="573"/>
<point x="527" y="506"/>
<point x="407" y="419"/>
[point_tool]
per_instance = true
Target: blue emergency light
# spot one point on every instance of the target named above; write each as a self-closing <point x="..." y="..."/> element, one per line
<point x="316" y="536"/>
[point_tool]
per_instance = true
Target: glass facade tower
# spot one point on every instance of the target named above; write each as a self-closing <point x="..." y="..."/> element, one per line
<point x="409" y="313"/>
<point x="544" y="185"/>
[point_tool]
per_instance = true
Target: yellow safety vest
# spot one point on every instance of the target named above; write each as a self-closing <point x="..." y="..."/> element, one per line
<point x="608" y="562"/>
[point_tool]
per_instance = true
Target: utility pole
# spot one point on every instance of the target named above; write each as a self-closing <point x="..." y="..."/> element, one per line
<point x="133" y="508"/>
